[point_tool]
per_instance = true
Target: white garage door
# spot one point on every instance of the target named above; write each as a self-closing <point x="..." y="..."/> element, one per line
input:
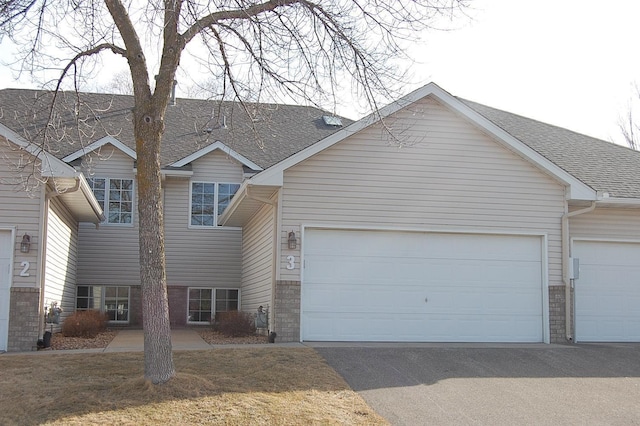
<point x="421" y="287"/>
<point x="607" y="293"/>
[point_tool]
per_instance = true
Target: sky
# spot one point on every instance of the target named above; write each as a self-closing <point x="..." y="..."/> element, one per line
<point x="571" y="63"/>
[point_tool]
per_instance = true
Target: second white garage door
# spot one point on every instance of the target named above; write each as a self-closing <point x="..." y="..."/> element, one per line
<point x="421" y="287"/>
<point x="607" y="293"/>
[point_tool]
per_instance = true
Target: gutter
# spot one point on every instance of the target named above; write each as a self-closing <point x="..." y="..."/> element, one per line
<point x="568" y="282"/>
<point x="81" y="184"/>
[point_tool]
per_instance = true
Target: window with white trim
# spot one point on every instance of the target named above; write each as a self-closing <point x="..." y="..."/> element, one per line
<point x="205" y="303"/>
<point x="208" y="201"/>
<point x="113" y="300"/>
<point x="115" y="197"/>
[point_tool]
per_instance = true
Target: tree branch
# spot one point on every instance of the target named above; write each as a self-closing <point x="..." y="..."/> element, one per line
<point x="209" y="20"/>
<point x="134" y="53"/>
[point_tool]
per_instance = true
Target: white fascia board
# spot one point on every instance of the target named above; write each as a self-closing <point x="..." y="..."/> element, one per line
<point x="210" y="148"/>
<point x="179" y="173"/>
<point x="91" y="198"/>
<point x="237" y="199"/>
<point x="577" y="189"/>
<point x="274" y="174"/>
<point x="98" y="144"/>
<point x="618" y="202"/>
<point x="51" y="166"/>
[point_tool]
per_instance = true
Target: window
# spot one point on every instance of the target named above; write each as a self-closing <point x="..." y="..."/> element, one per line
<point x="209" y="200"/>
<point x="205" y="303"/>
<point x="114" y="300"/>
<point x="116" y="303"/>
<point x="115" y="197"/>
<point x="226" y="300"/>
<point x="200" y="304"/>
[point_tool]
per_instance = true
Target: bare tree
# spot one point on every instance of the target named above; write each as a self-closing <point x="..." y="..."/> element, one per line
<point x="629" y="123"/>
<point x="279" y="49"/>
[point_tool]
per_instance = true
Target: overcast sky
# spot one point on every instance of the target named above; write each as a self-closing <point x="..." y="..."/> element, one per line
<point x="571" y="63"/>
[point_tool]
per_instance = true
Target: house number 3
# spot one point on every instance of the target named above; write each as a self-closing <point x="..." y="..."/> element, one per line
<point x="291" y="262"/>
<point x="25" y="269"/>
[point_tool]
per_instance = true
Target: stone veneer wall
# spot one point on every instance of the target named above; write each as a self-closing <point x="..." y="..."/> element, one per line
<point x="24" y="319"/>
<point x="287" y="311"/>
<point x="557" y="309"/>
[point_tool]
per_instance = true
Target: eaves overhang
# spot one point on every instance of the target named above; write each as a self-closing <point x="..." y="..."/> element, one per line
<point x="246" y="202"/>
<point x="67" y="183"/>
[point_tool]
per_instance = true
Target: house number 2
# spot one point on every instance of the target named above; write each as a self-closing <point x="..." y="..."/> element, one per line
<point x="25" y="269"/>
<point x="291" y="262"/>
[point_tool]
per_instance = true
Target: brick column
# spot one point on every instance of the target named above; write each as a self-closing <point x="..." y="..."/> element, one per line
<point x="287" y="311"/>
<point x="24" y="319"/>
<point x="557" y="314"/>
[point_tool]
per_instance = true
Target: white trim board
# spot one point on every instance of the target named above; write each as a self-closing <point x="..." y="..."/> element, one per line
<point x="214" y="146"/>
<point x="98" y="144"/>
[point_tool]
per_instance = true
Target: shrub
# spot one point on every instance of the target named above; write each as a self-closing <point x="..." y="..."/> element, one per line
<point x="84" y="324"/>
<point x="236" y="324"/>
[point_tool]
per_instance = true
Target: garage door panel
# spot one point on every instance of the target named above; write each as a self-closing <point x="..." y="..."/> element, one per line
<point x="398" y="286"/>
<point x="607" y="292"/>
<point x="402" y="327"/>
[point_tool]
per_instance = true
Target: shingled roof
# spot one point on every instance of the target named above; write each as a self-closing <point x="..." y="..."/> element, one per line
<point x="274" y="132"/>
<point x="604" y="166"/>
<point x="271" y="133"/>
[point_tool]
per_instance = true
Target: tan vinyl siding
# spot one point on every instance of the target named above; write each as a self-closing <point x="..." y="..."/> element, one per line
<point x="201" y="257"/>
<point x="60" y="266"/>
<point x="20" y="209"/>
<point x="109" y="162"/>
<point x="257" y="265"/>
<point x="195" y="257"/>
<point x="607" y="223"/>
<point x="217" y="167"/>
<point x="108" y="255"/>
<point x="447" y="176"/>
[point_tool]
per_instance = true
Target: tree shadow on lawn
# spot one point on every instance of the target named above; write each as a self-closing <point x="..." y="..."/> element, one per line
<point x="366" y="368"/>
<point x="229" y="386"/>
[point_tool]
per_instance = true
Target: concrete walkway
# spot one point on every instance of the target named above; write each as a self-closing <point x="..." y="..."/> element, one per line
<point x="133" y="341"/>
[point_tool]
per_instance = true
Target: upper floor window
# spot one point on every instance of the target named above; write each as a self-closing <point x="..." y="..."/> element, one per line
<point x="115" y="197"/>
<point x="209" y="200"/>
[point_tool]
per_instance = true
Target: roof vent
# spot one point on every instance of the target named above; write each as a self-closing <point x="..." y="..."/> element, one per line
<point x="330" y="120"/>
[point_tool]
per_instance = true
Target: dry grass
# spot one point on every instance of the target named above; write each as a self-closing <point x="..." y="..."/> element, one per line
<point x="270" y="385"/>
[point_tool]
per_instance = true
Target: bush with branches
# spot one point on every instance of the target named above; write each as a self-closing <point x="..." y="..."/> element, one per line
<point x="85" y="324"/>
<point x="235" y="324"/>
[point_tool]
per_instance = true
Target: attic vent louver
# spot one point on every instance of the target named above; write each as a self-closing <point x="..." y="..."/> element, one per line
<point x="331" y="120"/>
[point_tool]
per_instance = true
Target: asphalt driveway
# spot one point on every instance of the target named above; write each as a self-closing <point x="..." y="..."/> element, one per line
<point x="482" y="385"/>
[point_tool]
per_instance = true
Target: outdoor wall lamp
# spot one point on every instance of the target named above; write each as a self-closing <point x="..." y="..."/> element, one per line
<point x="25" y="245"/>
<point x="293" y="243"/>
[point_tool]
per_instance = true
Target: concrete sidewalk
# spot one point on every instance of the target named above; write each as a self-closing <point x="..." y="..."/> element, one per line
<point x="182" y="339"/>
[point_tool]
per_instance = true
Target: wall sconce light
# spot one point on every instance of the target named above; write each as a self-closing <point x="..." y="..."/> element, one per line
<point x="292" y="242"/>
<point x="25" y="245"/>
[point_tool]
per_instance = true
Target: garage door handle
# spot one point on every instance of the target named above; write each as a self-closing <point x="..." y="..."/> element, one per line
<point x="426" y="300"/>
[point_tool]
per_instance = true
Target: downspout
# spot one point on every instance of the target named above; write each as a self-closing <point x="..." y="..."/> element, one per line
<point x="565" y="266"/>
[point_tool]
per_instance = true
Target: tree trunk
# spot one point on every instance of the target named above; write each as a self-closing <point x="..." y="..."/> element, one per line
<point x="158" y="356"/>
